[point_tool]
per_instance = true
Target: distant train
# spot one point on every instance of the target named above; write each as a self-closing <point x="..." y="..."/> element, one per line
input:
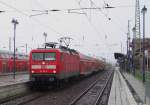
<point x="7" y="62"/>
<point x="55" y="64"/>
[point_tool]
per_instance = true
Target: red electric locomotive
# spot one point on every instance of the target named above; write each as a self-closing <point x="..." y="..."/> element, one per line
<point x="50" y="64"/>
<point x="55" y="64"/>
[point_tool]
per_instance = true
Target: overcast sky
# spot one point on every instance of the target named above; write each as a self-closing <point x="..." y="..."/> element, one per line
<point x="93" y="33"/>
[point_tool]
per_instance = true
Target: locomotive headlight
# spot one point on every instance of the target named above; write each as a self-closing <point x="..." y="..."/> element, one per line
<point x="43" y="63"/>
<point x="32" y="71"/>
<point x="54" y="71"/>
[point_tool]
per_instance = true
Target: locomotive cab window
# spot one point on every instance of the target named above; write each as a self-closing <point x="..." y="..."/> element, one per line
<point x="50" y="56"/>
<point x="37" y="56"/>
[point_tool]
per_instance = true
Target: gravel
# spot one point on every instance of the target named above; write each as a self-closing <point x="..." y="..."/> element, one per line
<point x="62" y="96"/>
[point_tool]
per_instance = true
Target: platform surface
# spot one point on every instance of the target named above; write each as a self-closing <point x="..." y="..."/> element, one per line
<point x="9" y="80"/>
<point x="120" y="93"/>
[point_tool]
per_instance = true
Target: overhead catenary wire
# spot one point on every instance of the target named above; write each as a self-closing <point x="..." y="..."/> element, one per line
<point x="45" y="12"/>
<point x="91" y="24"/>
<point x="97" y="8"/>
<point x="118" y="25"/>
<point x="111" y="20"/>
<point x="36" y="20"/>
<point x="106" y="43"/>
<point x="19" y="11"/>
<point x="120" y="28"/>
<point x="103" y="30"/>
<point x="101" y="27"/>
<point x="98" y="32"/>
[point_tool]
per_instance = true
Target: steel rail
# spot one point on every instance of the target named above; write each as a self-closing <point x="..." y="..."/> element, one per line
<point x="84" y="92"/>
<point x="32" y="99"/>
<point x="103" y="90"/>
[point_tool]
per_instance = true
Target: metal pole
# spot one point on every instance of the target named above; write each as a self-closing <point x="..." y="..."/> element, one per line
<point x="144" y="9"/>
<point x="146" y="53"/>
<point x="14" y="50"/>
<point x="26" y="48"/>
<point x="133" y="50"/>
<point x="45" y="39"/>
<point x="9" y="43"/>
<point x="143" y="69"/>
<point x="15" y="22"/>
<point x="147" y="61"/>
<point x="127" y="53"/>
<point x="128" y="47"/>
<point x="121" y="46"/>
<point x="45" y="35"/>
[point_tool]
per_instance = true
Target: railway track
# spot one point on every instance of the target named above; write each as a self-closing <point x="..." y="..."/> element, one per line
<point x="59" y="96"/>
<point x="25" y="99"/>
<point x="97" y="93"/>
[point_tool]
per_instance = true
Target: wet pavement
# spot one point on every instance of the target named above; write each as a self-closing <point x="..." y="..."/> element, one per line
<point x="9" y="80"/>
<point x="120" y="93"/>
<point x="142" y="89"/>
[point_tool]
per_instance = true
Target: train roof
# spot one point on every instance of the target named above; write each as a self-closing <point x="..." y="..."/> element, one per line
<point x="85" y="57"/>
<point x="10" y="52"/>
<point x="60" y="49"/>
<point x="82" y="56"/>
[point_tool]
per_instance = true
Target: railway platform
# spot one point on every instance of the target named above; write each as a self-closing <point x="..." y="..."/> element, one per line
<point x="7" y="78"/>
<point x="120" y="93"/>
<point x="10" y="87"/>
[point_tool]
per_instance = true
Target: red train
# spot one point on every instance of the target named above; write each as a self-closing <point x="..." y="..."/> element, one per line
<point x="6" y="62"/>
<point x="50" y="64"/>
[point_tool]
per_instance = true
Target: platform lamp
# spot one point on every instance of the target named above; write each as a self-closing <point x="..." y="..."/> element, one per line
<point x="144" y="10"/>
<point x="133" y="50"/>
<point x="15" y="22"/>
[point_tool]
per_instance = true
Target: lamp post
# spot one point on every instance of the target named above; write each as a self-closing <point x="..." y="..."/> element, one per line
<point x="45" y="35"/>
<point x="133" y="50"/>
<point x="15" y="22"/>
<point x="144" y="10"/>
<point x="2" y="11"/>
<point x="9" y="43"/>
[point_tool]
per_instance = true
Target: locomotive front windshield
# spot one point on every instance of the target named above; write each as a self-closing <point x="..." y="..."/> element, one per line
<point x="46" y="56"/>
